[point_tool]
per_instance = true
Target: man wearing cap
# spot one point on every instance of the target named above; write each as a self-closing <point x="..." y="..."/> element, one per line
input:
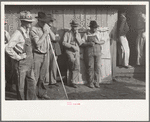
<point x="20" y="49"/>
<point x="40" y="35"/>
<point x="51" y="76"/>
<point x="92" y="42"/>
<point x="72" y="41"/>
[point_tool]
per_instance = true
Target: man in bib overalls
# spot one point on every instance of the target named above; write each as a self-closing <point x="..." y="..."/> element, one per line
<point x="20" y="49"/>
<point x="92" y="42"/>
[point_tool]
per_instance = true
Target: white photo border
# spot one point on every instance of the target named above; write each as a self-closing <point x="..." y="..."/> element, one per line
<point x="58" y="110"/>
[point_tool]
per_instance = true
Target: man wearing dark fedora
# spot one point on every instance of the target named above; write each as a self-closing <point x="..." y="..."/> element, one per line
<point x="41" y="46"/>
<point x="51" y="76"/>
<point x="92" y="42"/>
<point x="72" y="41"/>
<point x="19" y="48"/>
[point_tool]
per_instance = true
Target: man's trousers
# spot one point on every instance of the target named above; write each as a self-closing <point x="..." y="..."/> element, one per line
<point x="140" y="48"/>
<point x="124" y="51"/>
<point x="93" y="63"/>
<point x="74" y="65"/>
<point x="40" y="70"/>
<point x="25" y="84"/>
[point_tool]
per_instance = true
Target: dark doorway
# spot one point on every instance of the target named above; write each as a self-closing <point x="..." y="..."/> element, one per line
<point x="131" y="14"/>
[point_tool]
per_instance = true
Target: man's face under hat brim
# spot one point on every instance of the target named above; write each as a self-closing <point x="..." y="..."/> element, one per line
<point x="94" y="26"/>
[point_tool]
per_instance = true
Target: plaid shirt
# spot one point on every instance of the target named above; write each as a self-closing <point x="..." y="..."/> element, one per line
<point x="96" y="49"/>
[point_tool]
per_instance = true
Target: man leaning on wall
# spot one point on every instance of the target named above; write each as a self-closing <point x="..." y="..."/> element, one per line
<point x="72" y="41"/>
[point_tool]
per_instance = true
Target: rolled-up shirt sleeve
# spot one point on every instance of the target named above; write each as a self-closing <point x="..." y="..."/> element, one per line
<point x="11" y="44"/>
<point x="65" y="41"/>
<point x="35" y="38"/>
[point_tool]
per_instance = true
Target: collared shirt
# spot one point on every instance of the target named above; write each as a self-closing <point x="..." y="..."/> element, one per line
<point x="16" y="39"/>
<point x="69" y="39"/>
<point x="36" y="34"/>
<point x="123" y="25"/>
<point x="92" y="50"/>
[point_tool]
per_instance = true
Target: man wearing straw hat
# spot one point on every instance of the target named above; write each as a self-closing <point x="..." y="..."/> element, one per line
<point x="72" y="41"/>
<point x="92" y="42"/>
<point x="41" y="46"/>
<point x="20" y="49"/>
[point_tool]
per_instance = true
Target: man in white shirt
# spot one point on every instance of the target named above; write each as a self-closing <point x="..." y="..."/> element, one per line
<point x="72" y="41"/>
<point x="19" y="48"/>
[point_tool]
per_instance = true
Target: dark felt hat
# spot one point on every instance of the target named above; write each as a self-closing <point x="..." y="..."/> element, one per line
<point x="93" y="24"/>
<point x="42" y="17"/>
<point x="74" y="23"/>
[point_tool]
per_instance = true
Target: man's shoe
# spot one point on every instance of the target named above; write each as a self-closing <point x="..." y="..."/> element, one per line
<point x="54" y="84"/>
<point x="46" y="97"/>
<point x="128" y="66"/>
<point x="97" y="85"/>
<point x="91" y="85"/>
<point x="73" y="85"/>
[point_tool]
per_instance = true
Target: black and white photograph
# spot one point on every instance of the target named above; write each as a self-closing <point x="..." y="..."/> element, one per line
<point x="89" y="58"/>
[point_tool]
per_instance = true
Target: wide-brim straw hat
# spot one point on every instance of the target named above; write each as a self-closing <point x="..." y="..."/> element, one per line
<point x="26" y="16"/>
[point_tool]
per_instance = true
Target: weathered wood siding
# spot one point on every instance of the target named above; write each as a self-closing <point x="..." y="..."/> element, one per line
<point x="106" y="16"/>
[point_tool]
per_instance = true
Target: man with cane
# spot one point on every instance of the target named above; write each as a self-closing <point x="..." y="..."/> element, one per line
<point x="51" y="76"/>
<point x="40" y="38"/>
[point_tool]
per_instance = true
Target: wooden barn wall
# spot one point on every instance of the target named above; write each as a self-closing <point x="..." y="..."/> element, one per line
<point x="106" y="16"/>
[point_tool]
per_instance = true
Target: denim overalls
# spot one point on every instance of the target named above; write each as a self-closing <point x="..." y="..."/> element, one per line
<point x="25" y="76"/>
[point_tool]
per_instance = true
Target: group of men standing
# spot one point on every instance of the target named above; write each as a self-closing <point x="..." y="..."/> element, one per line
<point x="124" y="50"/>
<point x="34" y="59"/>
<point x="35" y="50"/>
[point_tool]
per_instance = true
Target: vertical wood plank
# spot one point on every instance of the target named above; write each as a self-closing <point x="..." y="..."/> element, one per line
<point x="90" y="15"/>
<point x="104" y="18"/>
<point x="68" y="17"/>
<point x="82" y="17"/>
<point x="58" y="14"/>
<point x="77" y="16"/>
<point x="99" y="16"/>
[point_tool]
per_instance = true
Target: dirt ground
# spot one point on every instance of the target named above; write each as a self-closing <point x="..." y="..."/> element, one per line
<point x="119" y="88"/>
